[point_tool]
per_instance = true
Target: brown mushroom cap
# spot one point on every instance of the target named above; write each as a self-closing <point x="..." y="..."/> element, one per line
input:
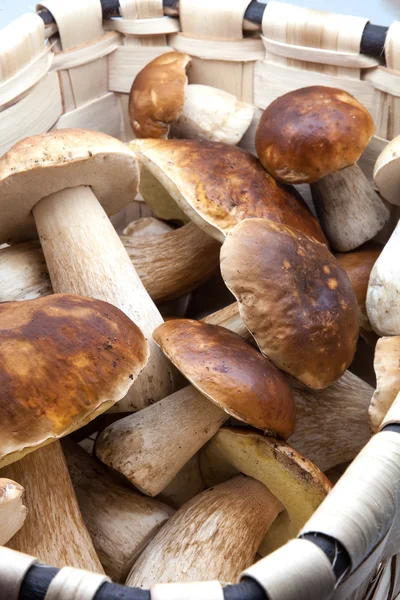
<point x="230" y="373"/>
<point x="311" y="132"/>
<point x="294" y="298"/>
<point x="298" y="484"/>
<point x="358" y="266"/>
<point x="218" y="185"/>
<point x="44" y="164"/>
<point x="158" y="94"/>
<point x="63" y="360"/>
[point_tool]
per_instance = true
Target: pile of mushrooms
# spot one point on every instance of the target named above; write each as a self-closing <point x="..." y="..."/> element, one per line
<point x="190" y="444"/>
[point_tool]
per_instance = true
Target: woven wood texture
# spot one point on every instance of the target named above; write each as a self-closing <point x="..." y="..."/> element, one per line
<point x="81" y="76"/>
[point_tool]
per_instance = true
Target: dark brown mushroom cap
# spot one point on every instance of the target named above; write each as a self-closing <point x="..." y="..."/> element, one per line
<point x="218" y="185"/>
<point x="63" y="360"/>
<point x="358" y="266"/>
<point x="311" y="132"/>
<point x="294" y="298"/>
<point x="230" y="373"/>
<point x="158" y="94"/>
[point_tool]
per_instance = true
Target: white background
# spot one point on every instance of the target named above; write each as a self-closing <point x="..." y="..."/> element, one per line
<point x="380" y="12"/>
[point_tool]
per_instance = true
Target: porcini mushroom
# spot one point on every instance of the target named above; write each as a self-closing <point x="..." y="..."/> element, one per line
<point x="383" y="297"/>
<point x="315" y="135"/>
<point x="121" y="521"/>
<point x="217" y="186"/>
<point x="161" y="100"/>
<point x="211" y="537"/>
<point x="298" y="484"/>
<point x="168" y="264"/>
<point x="358" y="266"/>
<point x="151" y="446"/>
<point x="65" y="178"/>
<point x="12" y="509"/>
<point x="63" y="360"/>
<point x="387" y="370"/>
<point x="147" y="226"/>
<point x="294" y="298"/>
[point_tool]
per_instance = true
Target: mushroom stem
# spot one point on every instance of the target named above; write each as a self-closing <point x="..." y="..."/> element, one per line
<point x="212" y="537"/>
<point x="383" y="296"/>
<point x="12" y="509"/>
<point x="86" y="256"/>
<point x="151" y="446"/>
<point x="120" y="521"/>
<point x="185" y="485"/>
<point x="230" y="318"/>
<point x="54" y="530"/>
<point x="349" y="209"/>
<point x="212" y="114"/>
<point x="169" y="264"/>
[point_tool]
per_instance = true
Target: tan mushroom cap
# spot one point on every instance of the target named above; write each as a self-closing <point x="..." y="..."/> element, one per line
<point x="387" y="172"/>
<point x="294" y="298"/>
<point x="44" y="164"/>
<point x="158" y="94"/>
<point x="230" y="373"/>
<point x="298" y="484"/>
<point x="63" y="360"/>
<point x="358" y="266"/>
<point x="12" y="510"/>
<point x="217" y="186"/>
<point x="311" y="132"/>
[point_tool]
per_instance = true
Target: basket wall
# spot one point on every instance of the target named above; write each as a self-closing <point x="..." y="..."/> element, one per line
<point x="82" y="77"/>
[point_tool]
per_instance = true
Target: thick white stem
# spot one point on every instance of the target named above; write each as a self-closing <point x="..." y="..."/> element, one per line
<point x="85" y="256"/>
<point x="151" y="446"/>
<point x="383" y="296"/>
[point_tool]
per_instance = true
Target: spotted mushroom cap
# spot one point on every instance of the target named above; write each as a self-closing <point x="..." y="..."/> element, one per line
<point x="311" y="132"/>
<point x="217" y="185"/>
<point x="230" y="373"/>
<point x="294" y="298"/>
<point x="64" y="360"/>
<point x="158" y="94"/>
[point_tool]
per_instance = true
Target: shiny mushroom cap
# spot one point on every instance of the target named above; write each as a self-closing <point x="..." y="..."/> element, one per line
<point x="294" y="298"/>
<point x="230" y="373"/>
<point x="311" y="132"/>
<point x="158" y="94"/>
<point x="44" y="164"/>
<point x="63" y="360"/>
<point x="217" y="186"/>
<point x="298" y="484"/>
<point x="387" y="172"/>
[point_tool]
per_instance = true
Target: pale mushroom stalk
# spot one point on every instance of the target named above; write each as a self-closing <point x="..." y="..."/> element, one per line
<point x="168" y="264"/>
<point x="121" y="522"/>
<point x="54" y="529"/>
<point x="75" y="231"/>
<point x="383" y="297"/>
<point x="387" y="369"/>
<point x="161" y="103"/>
<point x="12" y="509"/>
<point x="316" y="135"/>
<point x="229" y="378"/>
<point x="210" y="537"/>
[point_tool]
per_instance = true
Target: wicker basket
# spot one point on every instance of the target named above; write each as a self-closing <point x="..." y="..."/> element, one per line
<point x="77" y="73"/>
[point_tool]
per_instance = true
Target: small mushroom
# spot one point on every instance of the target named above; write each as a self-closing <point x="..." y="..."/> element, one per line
<point x="121" y="521"/>
<point x="358" y="266"/>
<point x="12" y="509"/>
<point x="213" y="536"/>
<point x="66" y="182"/>
<point x="294" y="298"/>
<point x="387" y="370"/>
<point x="316" y="135"/>
<point x="228" y="377"/>
<point x="289" y="476"/>
<point x="63" y="360"/>
<point x="162" y="102"/>
<point x="168" y="264"/>
<point x="217" y="186"/>
<point x="383" y="297"/>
